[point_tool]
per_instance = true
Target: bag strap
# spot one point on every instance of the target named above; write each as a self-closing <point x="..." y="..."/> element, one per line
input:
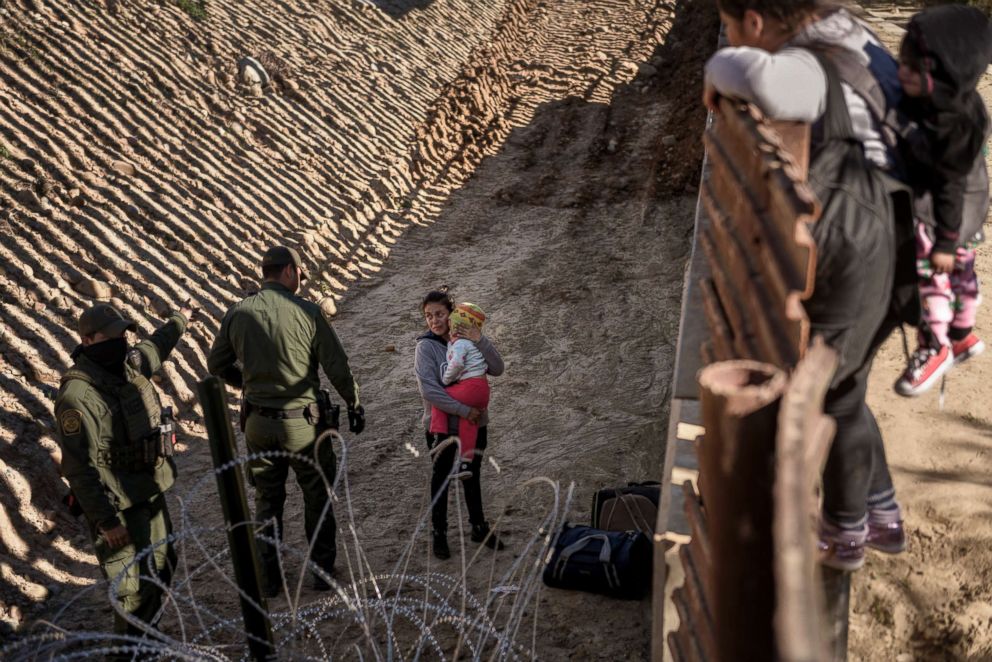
<point x="861" y="79"/>
<point x="837" y="118"/>
<point x="578" y="546"/>
<point x="637" y="518"/>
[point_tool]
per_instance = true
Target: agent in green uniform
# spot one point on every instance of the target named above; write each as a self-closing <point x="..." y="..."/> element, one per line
<point x="117" y="452"/>
<point x="279" y="340"/>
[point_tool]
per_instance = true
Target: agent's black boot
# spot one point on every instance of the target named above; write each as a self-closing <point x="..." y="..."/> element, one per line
<point x="439" y="545"/>
<point x="271" y="580"/>
<point x="321" y="584"/>
<point x="482" y="533"/>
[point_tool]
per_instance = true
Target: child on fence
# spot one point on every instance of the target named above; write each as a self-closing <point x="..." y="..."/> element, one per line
<point x="464" y="374"/>
<point x="944" y="53"/>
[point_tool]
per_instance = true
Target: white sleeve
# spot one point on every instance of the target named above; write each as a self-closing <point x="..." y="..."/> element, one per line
<point x="787" y="85"/>
<point x="455" y="365"/>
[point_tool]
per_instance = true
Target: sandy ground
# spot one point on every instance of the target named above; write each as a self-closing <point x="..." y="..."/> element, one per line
<point x="144" y="164"/>
<point x="572" y="235"/>
<point x="137" y="165"/>
<point x="935" y="601"/>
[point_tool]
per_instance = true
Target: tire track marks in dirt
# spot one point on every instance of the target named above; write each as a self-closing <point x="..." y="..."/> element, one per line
<point x="165" y="177"/>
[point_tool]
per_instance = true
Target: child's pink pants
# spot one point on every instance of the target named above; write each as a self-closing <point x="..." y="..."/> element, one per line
<point x="949" y="300"/>
<point x="473" y="392"/>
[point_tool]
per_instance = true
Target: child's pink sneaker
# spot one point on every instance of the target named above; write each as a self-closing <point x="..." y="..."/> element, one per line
<point x="925" y="369"/>
<point x="967" y="347"/>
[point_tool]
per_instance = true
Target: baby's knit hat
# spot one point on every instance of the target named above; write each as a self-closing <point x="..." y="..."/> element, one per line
<point x="466" y="314"/>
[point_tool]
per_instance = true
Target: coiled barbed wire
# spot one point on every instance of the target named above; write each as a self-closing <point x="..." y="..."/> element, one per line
<point x="399" y="614"/>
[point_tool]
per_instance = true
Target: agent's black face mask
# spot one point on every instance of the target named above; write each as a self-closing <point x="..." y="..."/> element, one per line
<point x="108" y="354"/>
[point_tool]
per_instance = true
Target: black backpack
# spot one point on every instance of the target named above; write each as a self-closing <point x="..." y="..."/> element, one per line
<point x="865" y="281"/>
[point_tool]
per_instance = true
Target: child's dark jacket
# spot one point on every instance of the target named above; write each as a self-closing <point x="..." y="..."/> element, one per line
<point x="952" y="46"/>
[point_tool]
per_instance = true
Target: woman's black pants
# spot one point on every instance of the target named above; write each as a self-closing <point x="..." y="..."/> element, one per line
<point x="856" y="471"/>
<point x="440" y="473"/>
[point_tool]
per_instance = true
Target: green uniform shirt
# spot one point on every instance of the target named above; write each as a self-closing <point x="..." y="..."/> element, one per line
<point x="280" y="339"/>
<point x="88" y="420"/>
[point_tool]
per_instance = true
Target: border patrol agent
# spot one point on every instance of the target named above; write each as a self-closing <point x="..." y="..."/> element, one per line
<point x="117" y="446"/>
<point x="279" y="340"/>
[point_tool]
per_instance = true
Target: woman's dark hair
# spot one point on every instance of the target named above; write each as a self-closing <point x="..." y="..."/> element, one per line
<point x="440" y="295"/>
<point x="790" y="12"/>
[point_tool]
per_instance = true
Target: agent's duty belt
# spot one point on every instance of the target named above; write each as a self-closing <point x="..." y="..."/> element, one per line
<point x="269" y="412"/>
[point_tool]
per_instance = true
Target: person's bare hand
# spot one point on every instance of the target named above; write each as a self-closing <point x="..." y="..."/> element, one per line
<point x="470" y="331"/>
<point x="711" y="98"/>
<point x="943" y="263"/>
<point x="116" y="537"/>
<point x="187" y="310"/>
<point x="474" y="415"/>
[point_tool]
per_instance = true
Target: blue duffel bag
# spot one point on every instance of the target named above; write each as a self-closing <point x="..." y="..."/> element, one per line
<point x="614" y="563"/>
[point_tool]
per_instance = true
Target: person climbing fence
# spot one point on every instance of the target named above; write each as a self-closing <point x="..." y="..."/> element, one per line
<point x="799" y="61"/>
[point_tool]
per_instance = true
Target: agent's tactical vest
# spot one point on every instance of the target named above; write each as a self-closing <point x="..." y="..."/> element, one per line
<point x="138" y="406"/>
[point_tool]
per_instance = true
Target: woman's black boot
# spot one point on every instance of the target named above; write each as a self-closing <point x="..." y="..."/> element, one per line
<point x="440" y="545"/>
<point x="482" y="533"/>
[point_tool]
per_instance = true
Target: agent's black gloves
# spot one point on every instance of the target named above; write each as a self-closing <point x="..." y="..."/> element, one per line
<point x="356" y="419"/>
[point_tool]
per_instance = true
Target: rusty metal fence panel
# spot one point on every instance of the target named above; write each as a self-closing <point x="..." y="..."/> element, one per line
<point x="761" y="255"/>
<point x="752" y="589"/>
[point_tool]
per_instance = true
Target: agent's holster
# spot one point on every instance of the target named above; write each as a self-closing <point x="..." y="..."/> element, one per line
<point x="330" y="414"/>
<point x="244" y="413"/>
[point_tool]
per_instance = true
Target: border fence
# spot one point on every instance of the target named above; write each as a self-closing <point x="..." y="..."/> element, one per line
<point x="747" y="434"/>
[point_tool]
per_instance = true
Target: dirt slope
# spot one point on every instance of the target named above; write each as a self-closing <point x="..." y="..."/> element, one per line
<point x="165" y="177"/>
<point x="133" y="155"/>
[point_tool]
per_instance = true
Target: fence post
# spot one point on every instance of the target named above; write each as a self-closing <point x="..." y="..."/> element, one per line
<point x="804" y="437"/>
<point x="837" y="590"/>
<point x="240" y="535"/>
<point x="740" y="401"/>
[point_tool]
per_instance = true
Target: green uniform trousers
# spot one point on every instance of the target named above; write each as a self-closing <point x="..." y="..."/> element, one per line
<point x="269" y="475"/>
<point x="147" y="523"/>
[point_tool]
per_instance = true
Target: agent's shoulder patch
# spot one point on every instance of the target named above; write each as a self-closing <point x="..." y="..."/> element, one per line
<point x="71" y="421"/>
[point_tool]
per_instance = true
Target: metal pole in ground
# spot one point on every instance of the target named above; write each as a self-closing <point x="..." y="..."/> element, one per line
<point x="837" y="591"/>
<point x="234" y="503"/>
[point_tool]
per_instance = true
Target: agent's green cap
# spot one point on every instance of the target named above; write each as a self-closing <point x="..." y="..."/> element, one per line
<point x="104" y="317"/>
<point x="281" y="255"/>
